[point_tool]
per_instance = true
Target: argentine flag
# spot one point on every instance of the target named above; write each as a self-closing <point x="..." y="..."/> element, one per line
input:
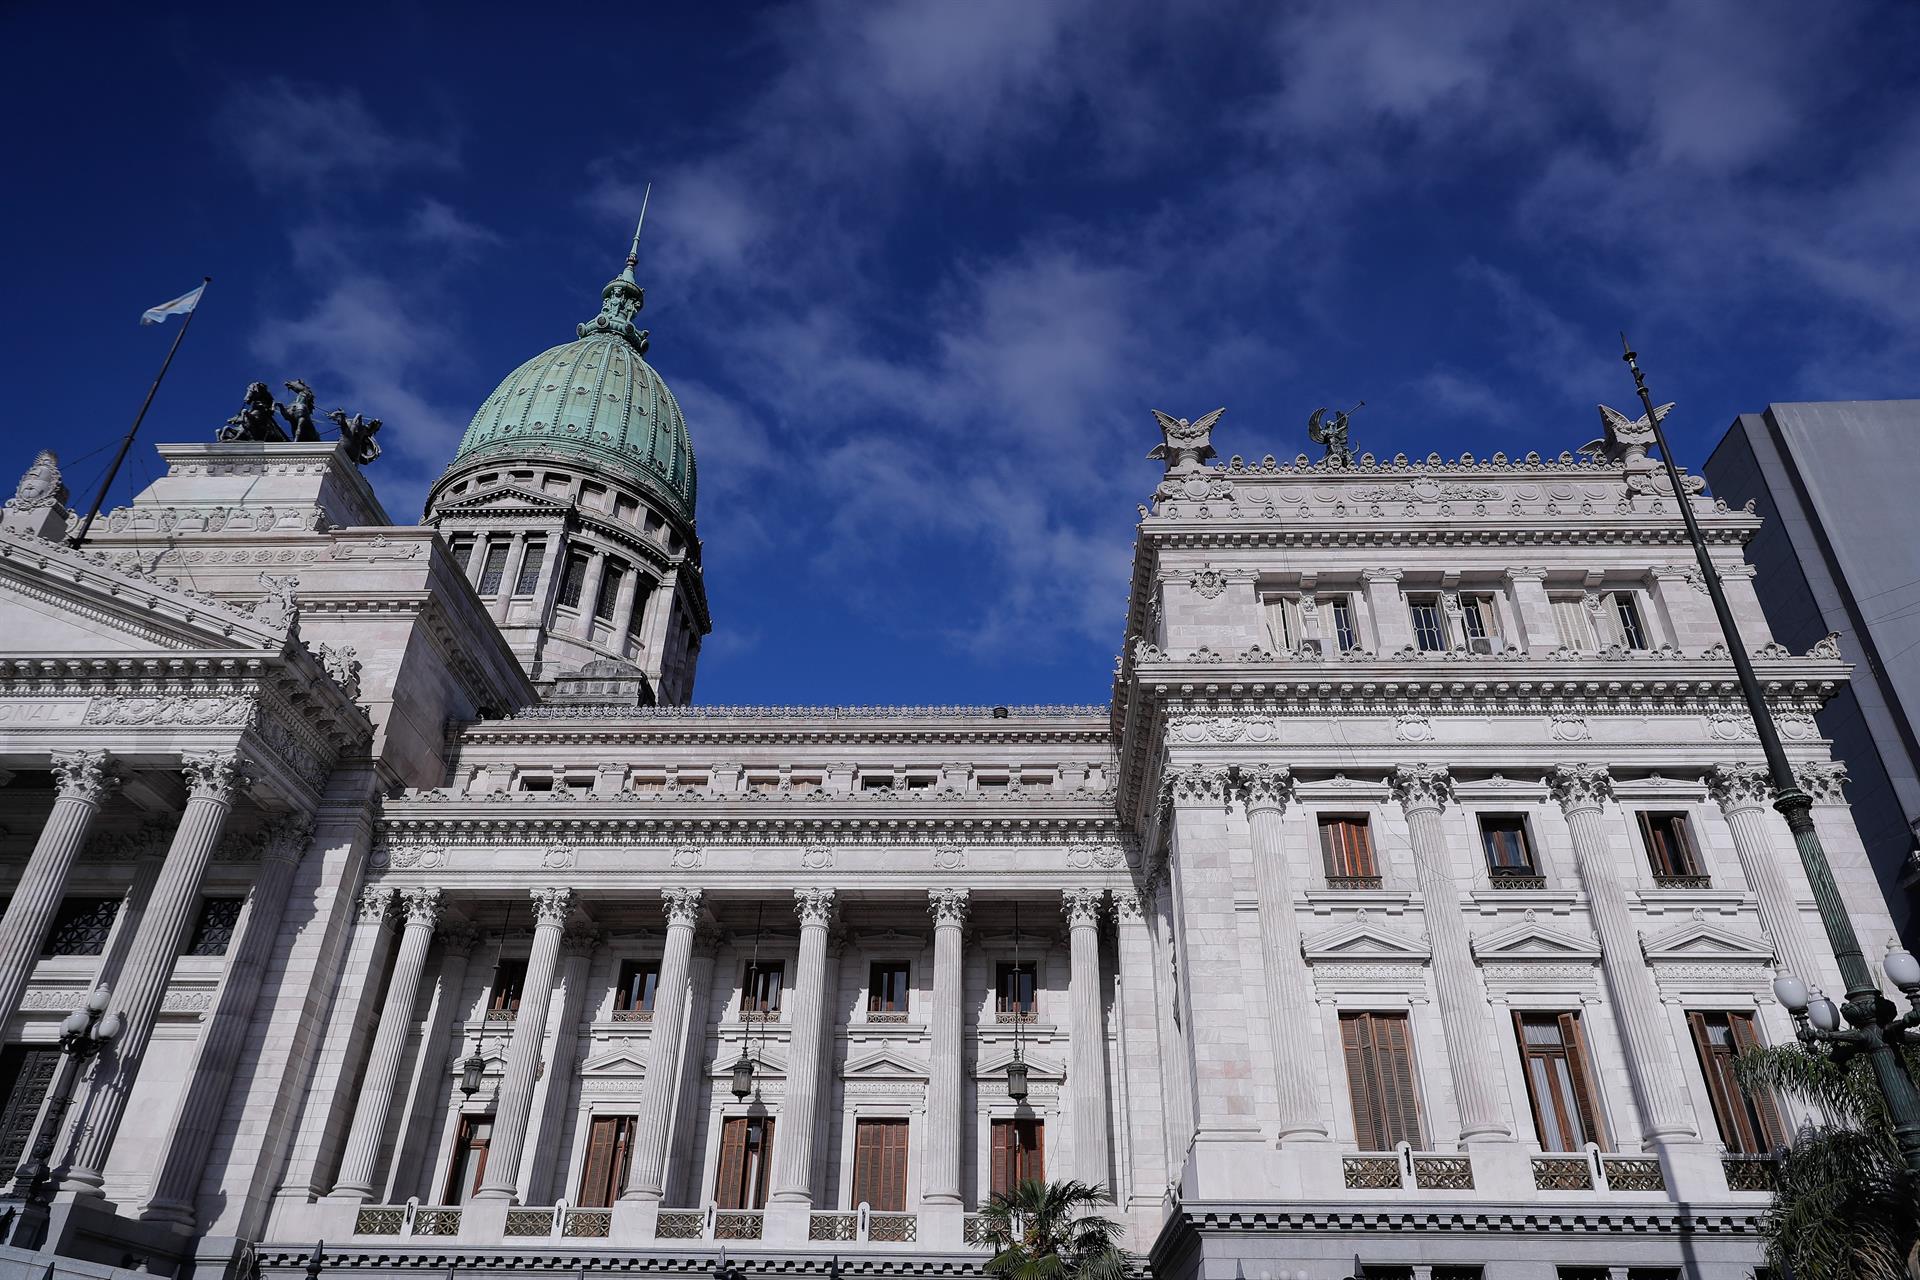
<point x="178" y="307"/>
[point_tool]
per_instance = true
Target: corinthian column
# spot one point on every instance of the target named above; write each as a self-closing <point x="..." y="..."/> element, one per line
<point x="212" y="779"/>
<point x="421" y="908"/>
<point x="1087" y="1036"/>
<point x="940" y="1167"/>
<point x="793" y="1140"/>
<point x="1583" y="791"/>
<point x="515" y="1105"/>
<point x="1423" y="792"/>
<point x="1744" y="793"/>
<point x="646" y="1178"/>
<point x="84" y="779"/>
<point x="228" y="1025"/>
<point x="576" y="947"/>
<point x="1289" y="988"/>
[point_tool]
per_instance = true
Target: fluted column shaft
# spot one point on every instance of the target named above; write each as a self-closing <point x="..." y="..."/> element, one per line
<point x="589" y="600"/>
<point x="1743" y="793"/>
<point x="646" y="1178"/>
<point x="1087" y="1037"/>
<point x="229" y="1024"/>
<point x="793" y="1140"/>
<point x="439" y="1045"/>
<point x="1583" y="791"/>
<point x="1423" y="792"/>
<point x="85" y="778"/>
<point x="940" y="1168"/>
<point x="213" y="777"/>
<point x="375" y="1100"/>
<point x="1289" y="987"/>
<point x="682" y="1177"/>
<point x="576" y="948"/>
<point x="515" y="1105"/>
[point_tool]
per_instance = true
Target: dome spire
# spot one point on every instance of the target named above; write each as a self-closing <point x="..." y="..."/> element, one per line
<point x="623" y="297"/>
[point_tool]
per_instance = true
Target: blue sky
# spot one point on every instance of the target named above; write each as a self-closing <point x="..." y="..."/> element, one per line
<point x="918" y="272"/>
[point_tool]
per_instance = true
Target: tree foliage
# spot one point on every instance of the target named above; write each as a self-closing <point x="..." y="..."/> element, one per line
<point x="1052" y="1231"/>
<point x="1843" y="1206"/>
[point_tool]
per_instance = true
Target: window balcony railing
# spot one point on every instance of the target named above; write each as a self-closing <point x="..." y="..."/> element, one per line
<point x="1594" y="1171"/>
<point x="562" y="1221"/>
<point x="1355" y="882"/>
<point x="973" y="1232"/>
<point x="710" y="1223"/>
<point x="1748" y="1172"/>
<point x="633" y="1015"/>
<point x="895" y="1016"/>
<point x="1517" y="880"/>
<point x="1682" y="882"/>
<point x="409" y="1219"/>
<point x="1407" y="1168"/>
<point x="864" y="1224"/>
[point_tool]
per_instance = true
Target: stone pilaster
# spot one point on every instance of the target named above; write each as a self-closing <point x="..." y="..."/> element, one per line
<point x="358" y="1166"/>
<point x="1423" y="792"/>
<point x="1528" y="588"/>
<point x="84" y="780"/>
<point x="792" y="1182"/>
<point x="1583" y="791"/>
<point x="515" y="1105"/>
<point x="1087" y="1037"/>
<point x="1142" y="1104"/>
<point x="213" y="778"/>
<point x="940" y="1168"/>
<point x="1289" y="986"/>
<point x="1392" y="628"/>
<point x="224" y="1036"/>
<point x="1744" y="795"/>
<point x="646" y="1179"/>
<point x="577" y="946"/>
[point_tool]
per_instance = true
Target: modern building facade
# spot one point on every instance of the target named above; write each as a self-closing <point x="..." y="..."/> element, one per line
<point x="1402" y="910"/>
<point x="1836" y="555"/>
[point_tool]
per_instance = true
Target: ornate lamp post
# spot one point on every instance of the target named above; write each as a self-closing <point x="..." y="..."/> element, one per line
<point x="1876" y="1026"/>
<point x="83" y="1034"/>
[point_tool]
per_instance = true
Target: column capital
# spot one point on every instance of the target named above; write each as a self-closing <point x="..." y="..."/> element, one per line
<point x="457" y="937"/>
<point x="376" y="903"/>
<point x="421" y="906"/>
<point x="213" y="775"/>
<point x="85" y="775"/>
<point x="1199" y="784"/>
<point x="550" y="906"/>
<point x="681" y="907"/>
<point x="813" y="906"/>
<point x="580" y="940"/>
<point x="1822" y="782"/>
<point x="1266" y="788"/>
<point x="949" y="906"/>
<point x="1081" y="904"/>
<point x="1580" y="786"/>
<point x="1421" y="786"/>
<point x="1127" y="905"/>
<point x="286" y="839"/>
<point x="1526" y="573"/>
<point x="1381" y="575"/>
<point x="1739" y="786"/>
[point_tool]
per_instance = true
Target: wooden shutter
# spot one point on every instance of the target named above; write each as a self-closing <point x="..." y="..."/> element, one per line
<point x="763" y="1167"/>
<point x="1355" y="1042"/>
<point x="1002" y="1134"/>
<point x="1773" y="1130"/>
<point x="1034" y="1150"/>
<point x="596" y="1176"/>
<point x="1656" y="851"/>
<point x="1583" y="1095"/>
<point x="730" y="1184"/>
<point x="880" y="1164"/>
<point x="1393" y="1052"/>
<point x="1570" y="620"/>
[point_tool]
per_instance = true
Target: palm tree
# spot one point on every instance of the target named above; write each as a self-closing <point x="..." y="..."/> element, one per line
<point x="1843" y="1205"/>
<point x="1052" y="1231"/>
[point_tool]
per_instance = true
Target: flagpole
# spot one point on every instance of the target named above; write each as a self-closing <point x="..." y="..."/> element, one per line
<point x="127" y="443"/>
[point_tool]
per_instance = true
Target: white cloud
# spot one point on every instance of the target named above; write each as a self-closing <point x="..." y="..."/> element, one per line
<point x="304" y="136"/>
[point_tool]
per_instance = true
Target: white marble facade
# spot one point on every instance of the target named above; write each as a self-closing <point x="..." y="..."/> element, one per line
<point x="252" y="686"/>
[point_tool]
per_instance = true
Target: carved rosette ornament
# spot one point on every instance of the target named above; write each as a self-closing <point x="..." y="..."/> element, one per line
<point x="457" y="937"/>
<point x="84" y="775"/>
<point x="948" y="906"/>
<point x="813" y="907"/>
<point x="681" y="907"/>
<point x="1421" y="786"/>
<point x="550" y="906"/>
<point x="376" y="904"/>
<point x="1266" y="788"/>
<point x="1580" y="786"/>
<point x="421" y="906"/>
<point x="213" y="775"/>
<point x="1081" y="905"/>
<point x="1823" y="782"/>
<point x="1200" y="784"/>
<point x="1739" y="786"/>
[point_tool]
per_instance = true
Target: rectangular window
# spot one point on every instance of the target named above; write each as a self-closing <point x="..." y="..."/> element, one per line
<point x="760" y="992"/>
<point x="1481" y="624"/>
<point x="1019" y="1154"/>
<point x="746" y="1156"/>
<point x="1429" y="629"/>
<point x="1627" y="620"/>
<point x="469" y="1158"/>
<point x="574" y="581"/>
<point x="1509" y="851"/>
<point x="1014" y="986"/>
<point x="462" y="553"/>
<point x="887" y="990"/>
<point x="26" y="1073"/>
<point x="603" y="1175"/>
<point x="1379" y="1054"/>
<point x="1552" y="1050"/>
<point x="1347" y="845"/>
<point x="609" y="596"/>
<point x="1345" y="633"/>
<point x="213" y="929"/>
<point x="80" y="927"/>
<point x="639" y="983"/>
<point x="1749" y="1123"/>
<point x="1283" y="622"/>
<point x="503" y="998"/>
<point x="1670" y="848"/>
<point x="531" y="561"/>
<point x="880" y="1165"/>
<point x="495" y="568"/>
<point x="637" y="620"/>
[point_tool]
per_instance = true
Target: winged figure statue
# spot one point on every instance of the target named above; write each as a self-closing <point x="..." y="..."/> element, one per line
<point x="1627" y="439"/>
<point x="1332" y="434"/>
<point x="1187" y="445"/>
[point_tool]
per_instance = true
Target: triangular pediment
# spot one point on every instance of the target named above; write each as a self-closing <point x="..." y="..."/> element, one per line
<point x="620" y="1061"/>
<point x="767" y="1065"/>
<point x="885" y="1064"/>
<point x="993" y="1066"/>
<point x="1531" y="940"/>
<point x="504" y="499"/>
<point x="1361" y="938"/>
<point x="1698" y="940"/>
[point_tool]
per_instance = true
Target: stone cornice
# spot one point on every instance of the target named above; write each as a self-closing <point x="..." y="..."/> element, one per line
<point x="517" y="828"/>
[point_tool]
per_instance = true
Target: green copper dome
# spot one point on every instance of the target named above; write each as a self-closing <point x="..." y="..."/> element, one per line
<point x="596" y="402"/>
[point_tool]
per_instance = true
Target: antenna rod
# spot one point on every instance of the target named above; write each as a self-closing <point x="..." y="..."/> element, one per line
<point x="633" y="254"/>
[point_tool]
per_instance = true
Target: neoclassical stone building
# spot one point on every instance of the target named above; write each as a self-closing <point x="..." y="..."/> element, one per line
<point x="1402" y="911"/>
